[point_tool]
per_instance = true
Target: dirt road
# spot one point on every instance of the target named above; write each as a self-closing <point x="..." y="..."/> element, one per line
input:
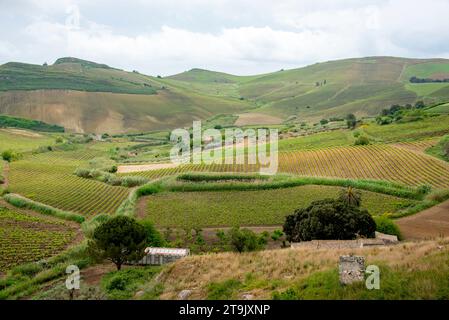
<point x="430" y="223"/>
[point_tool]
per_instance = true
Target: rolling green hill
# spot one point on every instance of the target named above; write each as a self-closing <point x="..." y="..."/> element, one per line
<point x="362" y="86"/>
<point x="85" y="96"/>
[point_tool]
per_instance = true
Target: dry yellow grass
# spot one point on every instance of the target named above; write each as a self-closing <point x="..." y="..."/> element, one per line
<point x="286" y="266"/>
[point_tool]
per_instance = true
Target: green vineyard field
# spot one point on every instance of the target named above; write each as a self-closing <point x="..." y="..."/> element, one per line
<point x="267" y="207"/>
<point x="26" y="238"/>
<point x="381" y="162"/>
<point x="49" y="178"/>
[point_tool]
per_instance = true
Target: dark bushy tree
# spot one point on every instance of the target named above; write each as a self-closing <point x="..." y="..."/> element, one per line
<point x="329" y="219"/>
<point x="351" y="121"/>
<point x="119" y="240"/>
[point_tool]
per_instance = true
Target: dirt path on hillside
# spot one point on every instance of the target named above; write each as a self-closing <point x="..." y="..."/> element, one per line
<point x="428" y="224"/>
<point x="5" y="175"/>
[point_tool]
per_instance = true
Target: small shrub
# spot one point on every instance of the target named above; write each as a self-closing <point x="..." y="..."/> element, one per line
<point x="223" y="290"/>
<point x="133" y="181"/>
<point x="83" y="173"/>
<point x="424" y="189"/>
<point x="148" y="189"/>
<point x="10" y="155"/>
<point x="362" y="141"/>
<point x="246" y="240"/>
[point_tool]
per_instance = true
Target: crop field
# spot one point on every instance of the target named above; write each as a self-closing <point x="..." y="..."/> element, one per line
<point x="267" y="207"/>
<point x="317" y="141"/>
<point x="381" y="162"/>
<point x="49" y="178"/>
<point x="26" y="238"/>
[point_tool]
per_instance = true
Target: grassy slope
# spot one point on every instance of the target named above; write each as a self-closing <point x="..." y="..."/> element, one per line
<point x="23" y="140"/>
<point x="362" y="86"/>
<point x="409" y="271"/>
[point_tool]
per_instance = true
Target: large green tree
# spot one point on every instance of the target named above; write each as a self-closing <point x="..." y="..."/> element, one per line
<point x="329" y="219"/>
<point x="119" y="240"/>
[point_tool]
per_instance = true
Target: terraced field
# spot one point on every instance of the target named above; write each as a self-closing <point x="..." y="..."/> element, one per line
<point x="267" y="207"/>
<point x="379" y="161"/>
<point x="26" y="238"/>
<point x="49" y="178"/>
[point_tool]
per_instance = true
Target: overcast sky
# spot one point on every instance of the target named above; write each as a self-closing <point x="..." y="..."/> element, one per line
<point x="241" y="37"/>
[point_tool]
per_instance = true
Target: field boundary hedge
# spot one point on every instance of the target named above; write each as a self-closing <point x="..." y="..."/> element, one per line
<point x="22" y="202"/>
<point x="378" y="186"/>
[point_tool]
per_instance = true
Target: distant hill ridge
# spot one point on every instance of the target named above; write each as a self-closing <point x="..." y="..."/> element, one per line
<point x="86" y="96"/>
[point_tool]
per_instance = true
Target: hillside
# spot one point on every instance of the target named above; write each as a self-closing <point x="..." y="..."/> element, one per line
<point x="85" y="96"/>
<point x="362" y="86"/>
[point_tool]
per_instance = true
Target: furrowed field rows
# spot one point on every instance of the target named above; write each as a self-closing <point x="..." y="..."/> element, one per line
<point x="382" y="162"/>
<point x="417" y="146"/>
<point x="49" y="179"/>
<point x="25" y="238"/>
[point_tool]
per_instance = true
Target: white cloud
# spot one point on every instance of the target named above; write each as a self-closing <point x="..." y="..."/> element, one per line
<point x="248" y="37"/>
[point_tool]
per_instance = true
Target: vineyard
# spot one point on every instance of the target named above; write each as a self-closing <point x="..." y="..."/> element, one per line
<point x="25" y="238"/>
<point x="49" y="178"/>
<point x="382" y="162"/>
<point x="267" y="207"/>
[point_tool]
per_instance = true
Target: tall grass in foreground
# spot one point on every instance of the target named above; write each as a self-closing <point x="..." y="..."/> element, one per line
<point x="22" y="202"/>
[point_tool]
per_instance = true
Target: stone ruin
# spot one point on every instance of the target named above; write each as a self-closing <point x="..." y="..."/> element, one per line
<point x="351" y="269"/>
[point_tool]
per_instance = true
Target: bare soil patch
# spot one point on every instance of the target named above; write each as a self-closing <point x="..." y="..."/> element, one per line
<point x="246" y="119"/>
<point x="428" y="224"/>
<point x="145" y="167"/>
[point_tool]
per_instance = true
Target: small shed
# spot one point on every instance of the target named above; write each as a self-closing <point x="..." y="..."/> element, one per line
<point x="160" y="256"/>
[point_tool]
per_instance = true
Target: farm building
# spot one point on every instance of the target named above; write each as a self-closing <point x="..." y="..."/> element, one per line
<point x="159" y="256"/>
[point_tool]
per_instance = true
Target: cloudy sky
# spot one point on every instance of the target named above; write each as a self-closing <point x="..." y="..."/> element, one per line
<point x="241" y="37"/>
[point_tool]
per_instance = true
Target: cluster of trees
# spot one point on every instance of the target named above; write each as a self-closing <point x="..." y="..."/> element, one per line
<point x="122" y="239"/>
<point x="15" y="122"/>
<point x="320" y="83"/>
<point x="331" y="219"/>
<point x="405" y="113"/>
<point x="427" y="80"/>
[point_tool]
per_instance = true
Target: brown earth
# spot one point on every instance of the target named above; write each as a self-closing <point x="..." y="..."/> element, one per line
<point x="256" y="118"/>
<point x="428" y="224"/>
